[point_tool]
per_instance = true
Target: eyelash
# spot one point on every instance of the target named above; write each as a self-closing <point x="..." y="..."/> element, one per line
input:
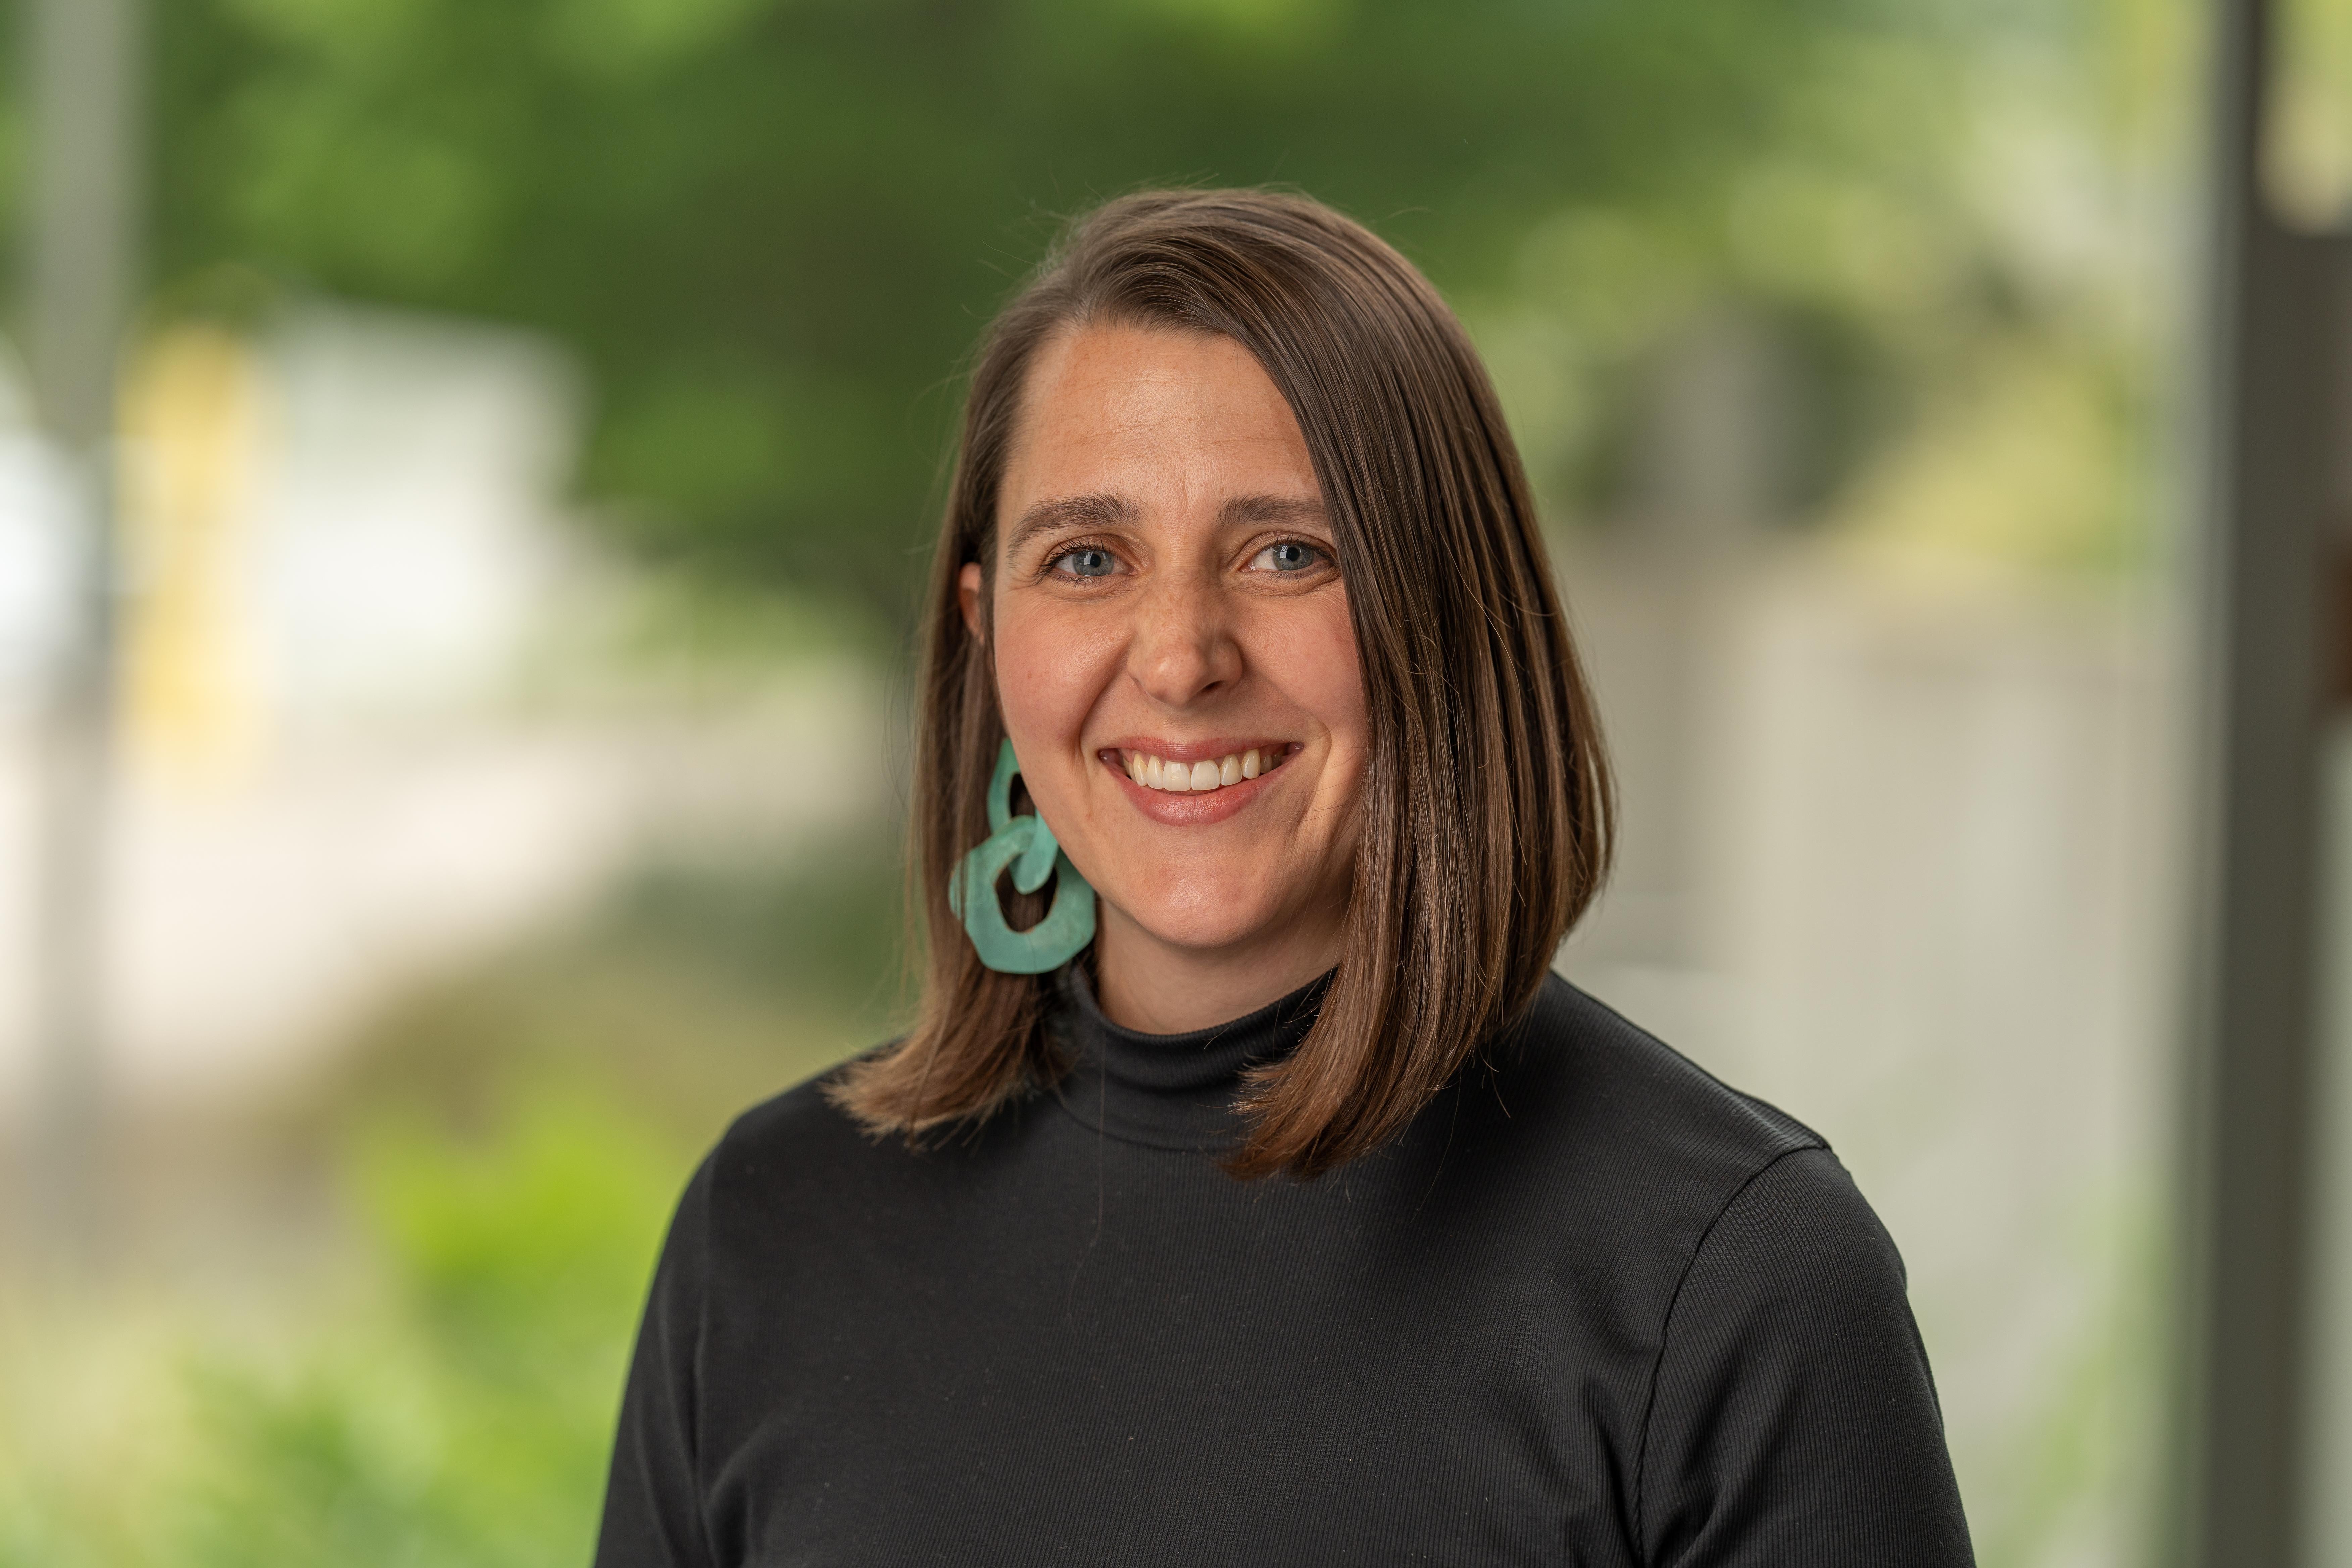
<point x="1319" y="548"/>
<point x="1079" y="546"/>
<point x="1075" y="547"/>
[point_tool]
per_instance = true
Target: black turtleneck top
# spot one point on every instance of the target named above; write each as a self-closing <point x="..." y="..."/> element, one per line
<point x="1592" y="1307"/>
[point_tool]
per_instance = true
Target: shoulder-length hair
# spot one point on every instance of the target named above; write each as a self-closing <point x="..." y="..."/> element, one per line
<point x="1486" y="816"/>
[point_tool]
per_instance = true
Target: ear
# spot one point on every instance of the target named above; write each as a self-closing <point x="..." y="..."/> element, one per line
<point x="968" y="589"/>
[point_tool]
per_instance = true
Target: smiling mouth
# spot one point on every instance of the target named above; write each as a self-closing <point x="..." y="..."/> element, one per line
<point x="1200" y="777"/>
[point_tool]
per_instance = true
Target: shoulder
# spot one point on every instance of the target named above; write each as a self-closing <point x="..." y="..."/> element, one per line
<point x="792" y="1161"/>
<point x="793" y="1144"/>
<point x="789" y="1120"/>
<point x="1583" y="1142"/>
<point x="1797" y="1238"/>
<point x="1584" y="1077"/>
<point x="1793" y="1412"/>
<point x="1790" y="1411"/>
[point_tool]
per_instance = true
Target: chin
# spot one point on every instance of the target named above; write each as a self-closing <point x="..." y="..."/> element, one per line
<point x="1205" y="918"/>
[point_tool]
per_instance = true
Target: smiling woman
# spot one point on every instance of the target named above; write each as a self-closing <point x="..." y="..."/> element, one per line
<point x="1234" y="479"/>
<point x="1248" y="1190"/>
<point x="1168" y="608"/>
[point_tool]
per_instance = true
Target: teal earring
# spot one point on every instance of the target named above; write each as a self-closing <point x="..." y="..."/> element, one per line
<point x="1028" y="846"/>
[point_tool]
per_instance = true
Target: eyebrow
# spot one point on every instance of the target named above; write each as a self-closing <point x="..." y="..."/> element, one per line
<point x="1272" y="509"/>
<point x="1096" y="510"/>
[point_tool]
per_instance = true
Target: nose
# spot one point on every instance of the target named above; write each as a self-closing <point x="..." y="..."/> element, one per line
<point x="1184" y="647"/>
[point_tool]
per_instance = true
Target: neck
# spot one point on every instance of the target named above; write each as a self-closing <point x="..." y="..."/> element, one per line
<point x="1157" y="987"/>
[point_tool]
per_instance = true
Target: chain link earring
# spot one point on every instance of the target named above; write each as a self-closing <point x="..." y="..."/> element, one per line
<point x="1029" y="847"/>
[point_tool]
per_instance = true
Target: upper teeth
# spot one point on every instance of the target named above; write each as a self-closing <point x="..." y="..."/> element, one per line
<point x="1179" y="778"/>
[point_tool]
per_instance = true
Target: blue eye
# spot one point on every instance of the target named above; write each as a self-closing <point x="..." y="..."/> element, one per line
<point x="1088" y="562"/>
<point x="1291" y="555"/>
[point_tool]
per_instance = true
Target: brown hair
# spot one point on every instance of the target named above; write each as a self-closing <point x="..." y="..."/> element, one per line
<point x="1486" y="811"/>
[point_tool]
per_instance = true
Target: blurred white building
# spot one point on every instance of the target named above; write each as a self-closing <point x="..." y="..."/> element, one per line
<point x="346" y="566"/>
<point x="1897" y="856"/>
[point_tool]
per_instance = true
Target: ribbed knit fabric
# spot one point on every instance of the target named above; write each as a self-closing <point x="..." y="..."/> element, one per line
<point x="1593" y="1307"/>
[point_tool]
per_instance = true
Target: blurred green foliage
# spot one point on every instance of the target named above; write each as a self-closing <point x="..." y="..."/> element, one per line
<point x="458" y="1412"/>
<point x="772" y="228"/>
<point x="466" y="1419"/>
<point x="505" y="1151"/>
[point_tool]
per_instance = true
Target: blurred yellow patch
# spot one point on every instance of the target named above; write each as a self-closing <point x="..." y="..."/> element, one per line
<point x="2307" y="150"/>
<point x="2029" y="471"/>
<point x="192" y="420"/>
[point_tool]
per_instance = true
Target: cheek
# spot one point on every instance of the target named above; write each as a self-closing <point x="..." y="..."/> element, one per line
<point x="1322" y="675"/>
<point x="1050" y="670"/>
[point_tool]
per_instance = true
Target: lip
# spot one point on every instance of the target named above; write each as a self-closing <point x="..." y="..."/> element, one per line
<point x="1189" y="810"/>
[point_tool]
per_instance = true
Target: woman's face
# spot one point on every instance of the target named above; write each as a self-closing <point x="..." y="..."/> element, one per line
<point x="1172" y="649"/>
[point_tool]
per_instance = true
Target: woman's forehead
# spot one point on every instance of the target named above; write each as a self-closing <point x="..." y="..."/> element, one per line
<point x="1153" y="417"/>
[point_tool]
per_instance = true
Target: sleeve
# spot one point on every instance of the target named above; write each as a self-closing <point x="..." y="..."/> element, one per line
<point x="653" y="1500"/>
<point x="1793" y="1419"/>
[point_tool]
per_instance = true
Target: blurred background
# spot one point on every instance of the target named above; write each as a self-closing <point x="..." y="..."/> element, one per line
<point x="453" y="700"/>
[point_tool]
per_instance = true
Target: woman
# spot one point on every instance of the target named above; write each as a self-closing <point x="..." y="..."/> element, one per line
<point x="1248" y="1190"/>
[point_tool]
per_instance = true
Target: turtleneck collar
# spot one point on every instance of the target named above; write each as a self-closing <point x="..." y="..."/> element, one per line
<point x="1170" y="1091"/>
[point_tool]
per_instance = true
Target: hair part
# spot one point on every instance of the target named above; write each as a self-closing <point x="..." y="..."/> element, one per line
<point x="1486" y="810"/>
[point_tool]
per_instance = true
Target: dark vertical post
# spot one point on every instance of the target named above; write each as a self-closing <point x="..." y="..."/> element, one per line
<point x="83" y="92"/>
<point x="2270" y="378"/>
